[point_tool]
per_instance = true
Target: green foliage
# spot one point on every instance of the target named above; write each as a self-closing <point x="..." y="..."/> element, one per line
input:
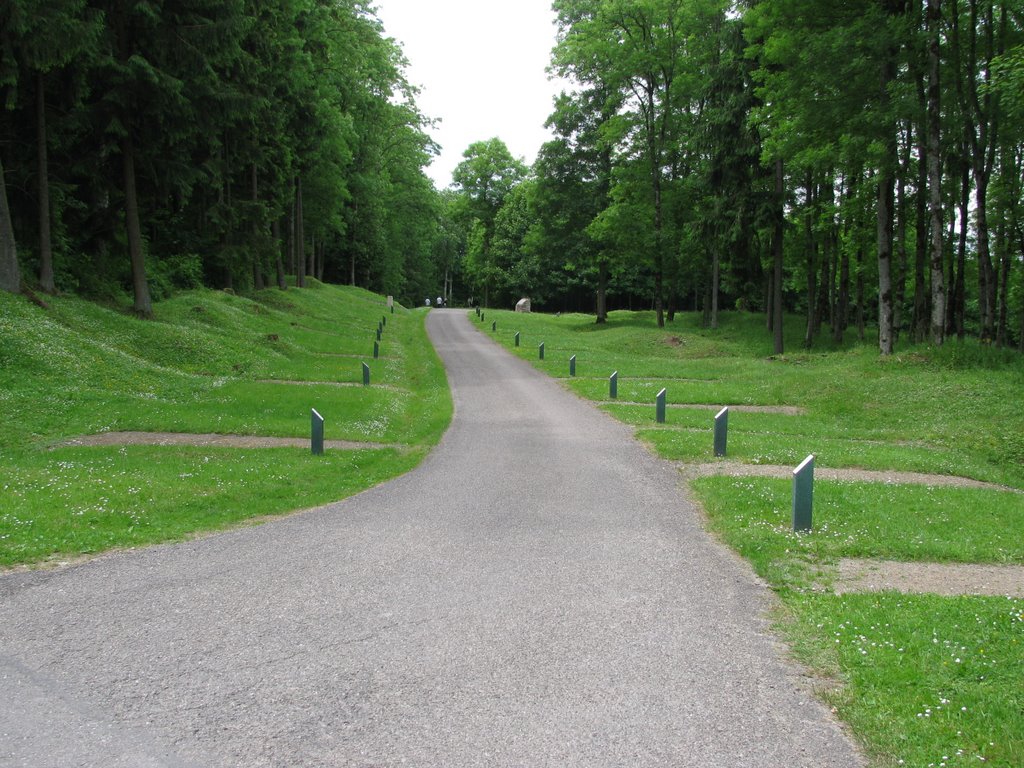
<point x="225" y="107"/>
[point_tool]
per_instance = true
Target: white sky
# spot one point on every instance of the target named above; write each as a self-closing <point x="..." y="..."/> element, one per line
<point x="480" y="66"/>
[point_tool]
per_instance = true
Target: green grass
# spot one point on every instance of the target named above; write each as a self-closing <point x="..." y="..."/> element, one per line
<point x="207" y="363"/>
<point x="922" y="680"/>
<point x="926" y="680"/>
<point x="862" y="520"/>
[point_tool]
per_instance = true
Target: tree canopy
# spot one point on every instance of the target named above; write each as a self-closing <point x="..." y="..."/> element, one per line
<point x="858" y="163"/>
<point x="149" y="146"/>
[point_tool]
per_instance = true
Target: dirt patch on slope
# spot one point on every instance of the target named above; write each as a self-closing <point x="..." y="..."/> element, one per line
<point x="932" y="578"/>
<point x="736" y="469"/>
<point x="213" y="440"/>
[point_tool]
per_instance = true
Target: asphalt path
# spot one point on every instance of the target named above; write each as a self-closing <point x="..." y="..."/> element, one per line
<point x="537" y="593"/>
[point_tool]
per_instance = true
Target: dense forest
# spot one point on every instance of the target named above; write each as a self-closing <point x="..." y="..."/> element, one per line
<point x="152" y="146"/>
<point x="858" y="162"/>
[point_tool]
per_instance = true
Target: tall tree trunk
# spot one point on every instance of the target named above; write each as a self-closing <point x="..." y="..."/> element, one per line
<point x="10" y="273"/>
<point x="812" y="277"/>
<point x="716" y="276"/>
<point x="257" y="256"/>
<point x="143" y="305"/>
<point x="654" y="156"/>
<point x="602" y="291"/>
<point x="938" y="288"/>
<point x="886" y="202"/>
<point x="960" y="308"/>
<point x="1005" y="260"/>
<point x="921" y="292"/>
<point x="861" y="298"/>
<point x="899" y="291"/>
<point x="843" y="298"/>
<point x="312" y="256"/>
<point x="825" y="286"/>
<point x="282" y="283"/>
<point x="777" y="257"/>
<point x="45" y="242"/>
<point x="300" y="236"/>
<point x="986" y="270"/>
<point x="885" y="305"/>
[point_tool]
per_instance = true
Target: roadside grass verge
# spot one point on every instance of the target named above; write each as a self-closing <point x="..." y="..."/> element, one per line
<point x="922" y="680"/>
<point x="211" y="362"/>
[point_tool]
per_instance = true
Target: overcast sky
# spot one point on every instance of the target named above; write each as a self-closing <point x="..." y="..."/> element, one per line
<point x="480" y="65"/>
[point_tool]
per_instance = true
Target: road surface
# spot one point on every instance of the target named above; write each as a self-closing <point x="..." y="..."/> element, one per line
<point x="537" y="593"/>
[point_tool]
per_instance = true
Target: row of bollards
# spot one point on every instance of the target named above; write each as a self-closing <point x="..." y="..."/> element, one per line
<point x="317" y="421"/>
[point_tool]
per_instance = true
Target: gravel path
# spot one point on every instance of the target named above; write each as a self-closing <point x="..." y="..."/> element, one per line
<point x="217" y="441"/>
<point x="536" y="593"/>
<point x="737" y="469"/>
<point x="951" y="579"/>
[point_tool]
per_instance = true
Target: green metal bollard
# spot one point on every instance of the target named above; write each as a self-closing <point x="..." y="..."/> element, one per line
<point x="721" y="431"/>
<point x="517" y="338"/>
<point x="803" y="494"/>
<point x="366" y="375"/>
<point x="317" y="439"/>
<point x="541" y="350"/>
<point x="613" y="386"/>
<point x="659" y="407"/>
<point x="572" y="365"/>
<point x="376" y="350"/>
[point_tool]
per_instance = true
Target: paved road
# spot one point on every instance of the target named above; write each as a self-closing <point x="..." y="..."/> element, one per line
<point x="537" y="593"/>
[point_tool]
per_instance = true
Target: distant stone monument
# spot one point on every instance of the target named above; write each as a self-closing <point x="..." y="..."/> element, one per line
<point x="523" y="305"/>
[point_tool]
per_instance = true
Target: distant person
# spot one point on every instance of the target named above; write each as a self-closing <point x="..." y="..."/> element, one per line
<point x="427" y="303"/>
<point x="440" y="301"/>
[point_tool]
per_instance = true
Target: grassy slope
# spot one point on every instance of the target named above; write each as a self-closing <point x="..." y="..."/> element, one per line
<point x="203" y="366"/>
<point x="925" y="680"/>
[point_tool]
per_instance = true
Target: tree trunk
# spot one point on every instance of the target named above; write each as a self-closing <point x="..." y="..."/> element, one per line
<point x="860" y="295"/>
<point x="960" y="309"/>
<point x="986" y="270"/>
<point x="885" y="306"/>
<point x="257" y="265"/>
<point x="45" y="242"/>
<point x="777" y="257"/>
<point x="602" y="291"/>
<point x="282" y="283"/>
<point x="824" y="302"/>
<point x="300" y="237"/>
<point x="812" y="277"/>
<point x="312" y="256"/>
<point x="899" y="290"/>
<point x="1005" y="260"/>
<point x="143" y="305"/>
<point x="938" y="288"/>
<point x="921" y="292"/>
<point x="843" y="298"/>
<point x="10" y="273"/>
<point x="716" y="276"/>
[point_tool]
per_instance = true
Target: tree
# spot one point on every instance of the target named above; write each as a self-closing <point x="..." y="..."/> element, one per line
<point x="486" y="177"/>
<point x="10" y="273"/>
<point x="934" y="161"/>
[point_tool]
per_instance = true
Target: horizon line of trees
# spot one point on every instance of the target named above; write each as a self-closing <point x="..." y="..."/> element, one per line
<point x="154" y="145"/>
<point x="856" y="161"/>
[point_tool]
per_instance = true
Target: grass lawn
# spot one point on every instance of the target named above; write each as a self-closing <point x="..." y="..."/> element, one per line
<point x="922" y="680"/>
<point x="210" y="362"/>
